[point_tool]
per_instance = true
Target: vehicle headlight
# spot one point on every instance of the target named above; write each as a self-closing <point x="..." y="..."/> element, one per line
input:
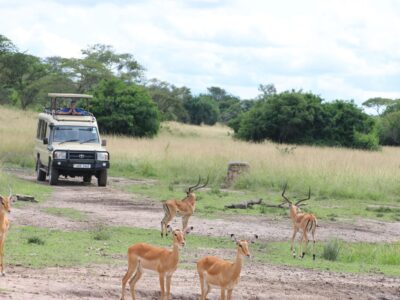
<point x="102" y="155"/>
<point x="60" y="155"/>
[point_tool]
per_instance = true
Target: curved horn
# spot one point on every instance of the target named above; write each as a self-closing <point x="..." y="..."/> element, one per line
<point x="205" y="184"/>
<point x="283" y="195"/>
<point x="305" y="199"/>
<point x="196" y="185"/>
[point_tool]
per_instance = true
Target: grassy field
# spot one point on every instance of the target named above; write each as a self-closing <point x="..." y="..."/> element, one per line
<point x="19" y="186"/>
<point x="39" y="247"/>
<point x="345" y="183"/>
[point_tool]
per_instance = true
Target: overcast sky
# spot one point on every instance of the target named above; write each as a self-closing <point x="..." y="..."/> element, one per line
<point x="337" y="49"/>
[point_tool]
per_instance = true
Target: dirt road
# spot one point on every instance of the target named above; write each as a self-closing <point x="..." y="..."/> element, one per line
<point x="259" y="281"/>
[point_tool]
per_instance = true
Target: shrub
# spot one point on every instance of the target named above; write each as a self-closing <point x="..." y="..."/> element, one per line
<point x="331" y="250"/>
<point x="35" y="240"/>
<point x="125" y="109"/>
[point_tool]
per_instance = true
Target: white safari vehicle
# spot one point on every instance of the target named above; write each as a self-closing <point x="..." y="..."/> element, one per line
<point x="69" y="144"/>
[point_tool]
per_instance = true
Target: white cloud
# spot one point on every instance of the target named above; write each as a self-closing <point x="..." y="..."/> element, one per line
<point x="338" y="49"/>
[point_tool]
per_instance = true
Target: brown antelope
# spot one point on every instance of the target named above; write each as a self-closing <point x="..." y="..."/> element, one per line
<point x="301" y="221"/>
<point x="144" y="256"/>
<point x="217" y="272"/>
<point x="5" y="208"/>
<point x="184" y="208"/>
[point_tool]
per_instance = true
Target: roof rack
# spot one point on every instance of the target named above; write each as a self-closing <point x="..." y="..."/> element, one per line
<point x="66" y="95"/>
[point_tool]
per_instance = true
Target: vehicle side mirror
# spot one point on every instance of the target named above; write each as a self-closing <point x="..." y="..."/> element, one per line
<point x="45" y="141"/>
<point x="104" y="143"/>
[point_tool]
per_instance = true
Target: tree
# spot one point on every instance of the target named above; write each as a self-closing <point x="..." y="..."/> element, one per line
<point x="170" y="100"/>
<point x="229" y="105"/>
<point x="289" y="117"/>
<point x="202" y="109"/>
<point x="36" y="92"/>
<point x="377" y="104"/>
<point x="297" y="117"/>
<point x="389" y="129"/>
<point x="18" y="71"/>
<point x="99" y="62"/>
<point x="266" y="90"/>
<point x="125" y="108"/>
<point x="6" y="45"/>
<point x="347" y="125"/>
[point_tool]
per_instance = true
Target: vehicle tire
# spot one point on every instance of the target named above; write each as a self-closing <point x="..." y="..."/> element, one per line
<point x="53" y="175"/>
<point x="87" y="178"/>
<point x="40" y="174"/>
<point x="102" y="178"/>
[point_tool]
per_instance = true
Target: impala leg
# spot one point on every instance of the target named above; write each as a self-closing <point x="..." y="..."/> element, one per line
<point x="305" y="239"/>
<point x="229" y="294"/>
<point x="165" y="221"/>
<point x="2" y="257"/>
<point x="292" y="243"/>
<point x="202" y="285"/>
<point x="162" y="285"/>
<point x="133" y="281"/>
<point x="313" y="237"/>
<point x="222" y="293"/>
<point x="168" y="286"/>
<point x="207" y="291"/>
<point x="132" y="267"/>
<point x="185" y="221"/>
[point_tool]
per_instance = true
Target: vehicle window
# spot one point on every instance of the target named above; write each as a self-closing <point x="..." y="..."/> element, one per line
<point x="75" y="134"/>
<point x="38" y="129"/>
<point x="41" y="129"/>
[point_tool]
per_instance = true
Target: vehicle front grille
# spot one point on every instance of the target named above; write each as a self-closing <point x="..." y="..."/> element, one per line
<point x="81" y="155"/>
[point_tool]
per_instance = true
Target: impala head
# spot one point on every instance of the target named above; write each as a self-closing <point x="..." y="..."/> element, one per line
<point x="178" y="235"/>
<point x="5" y="204"/>
<point x="243" y="245"/>
<point x="297" y="204"/>
<point x="197" y="186"/>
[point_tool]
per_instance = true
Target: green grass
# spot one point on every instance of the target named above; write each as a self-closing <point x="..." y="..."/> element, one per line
<point x="61" y="248"/>
<point x="69" y="213"/>
<point x="19" y="186"/>
<point x="211" y="202"/>
<point x="352" y="258"/>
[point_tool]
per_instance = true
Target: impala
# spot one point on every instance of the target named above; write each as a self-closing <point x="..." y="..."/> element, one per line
<point x="216" y="272"/>
<point x="5" y="208"/>
<point x="301" y="222"/>
<point x="184" y="208"/>
<point x="144" y="256"/>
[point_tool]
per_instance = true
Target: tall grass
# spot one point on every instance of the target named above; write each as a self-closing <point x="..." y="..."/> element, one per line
<point x="17" y="132"/>
<point x="180" y="153"/>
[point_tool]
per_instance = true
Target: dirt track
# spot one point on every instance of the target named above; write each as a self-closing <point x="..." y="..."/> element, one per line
<point x="258" y="281"/>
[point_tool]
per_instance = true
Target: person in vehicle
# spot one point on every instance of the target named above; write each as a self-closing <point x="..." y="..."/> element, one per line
<point x="72" y="110"/>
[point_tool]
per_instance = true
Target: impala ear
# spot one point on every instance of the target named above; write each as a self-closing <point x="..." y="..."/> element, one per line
<point x="169" y="228"/>
<point x="253" y="239"/>
<point x="233" y="238"/>
<point x="188" y="230"/>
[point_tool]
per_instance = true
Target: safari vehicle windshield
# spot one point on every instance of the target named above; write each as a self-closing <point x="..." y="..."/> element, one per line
<point x="79" y="134"/>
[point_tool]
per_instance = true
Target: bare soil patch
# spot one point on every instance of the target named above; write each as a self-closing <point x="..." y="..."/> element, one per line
<point x="112" y="207"/>
<point x="257" y="282"/>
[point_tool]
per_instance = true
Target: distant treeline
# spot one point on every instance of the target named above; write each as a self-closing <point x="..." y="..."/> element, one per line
<point x="126" y="102"/>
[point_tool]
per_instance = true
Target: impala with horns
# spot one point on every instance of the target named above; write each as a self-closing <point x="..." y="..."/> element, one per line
<point x="184" y="208"/>
<point x="147" y="257"/>
<point x="303" y="222"/>
<point x="5" y="208"/>
<point x="217" y="272"/>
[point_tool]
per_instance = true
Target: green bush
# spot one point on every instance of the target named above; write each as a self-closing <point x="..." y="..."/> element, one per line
<point x="331" y="250"/>
<point x="35" y="240"/>
<point x="366" y="141"/>
<point x="123" y="108"/>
